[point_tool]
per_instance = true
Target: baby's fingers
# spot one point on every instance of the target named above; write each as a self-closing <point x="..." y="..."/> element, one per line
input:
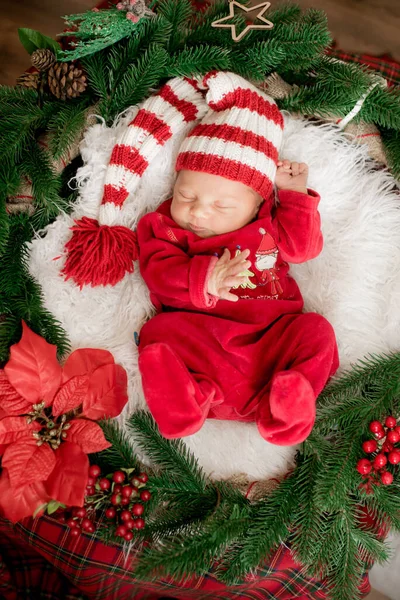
<point x="225" y="294"/>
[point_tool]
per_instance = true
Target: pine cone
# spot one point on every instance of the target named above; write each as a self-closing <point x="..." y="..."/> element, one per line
<point x="42" y="59"/>
<point x="29" y="80"/>
<point x="66" y="80"/>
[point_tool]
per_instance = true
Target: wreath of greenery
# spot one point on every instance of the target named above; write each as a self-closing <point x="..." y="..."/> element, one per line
<point x="320" y="508"/>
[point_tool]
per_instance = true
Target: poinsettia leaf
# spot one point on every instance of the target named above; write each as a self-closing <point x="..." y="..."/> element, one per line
<point x="86" y="360"/>
<point x="70" y="395"/>
<point x="11" y="402"/>
<point x="67" y="482"/>
<point x="33" y="369"/>
<point x="107" y="393"/>
<point x="33" y="40"/>
<point x="28" y="463"/>
<point x="88" y="435"/>
<point x="2" y="448"/>
<point x="13" y="429"/>
<point x="26" y="500"/>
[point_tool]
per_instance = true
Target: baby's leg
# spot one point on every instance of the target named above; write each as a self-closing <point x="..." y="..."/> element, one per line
<point x="178" y="400"/>
<point x="305" y="357"/>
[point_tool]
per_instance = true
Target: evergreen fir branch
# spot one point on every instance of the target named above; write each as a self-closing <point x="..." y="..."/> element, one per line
<point x="46" y="185"/>
<point x="137" y="80"/>
<point x="178" y="14"/>
<point x="198" y="61"/>
<point x="98" y="74"/>
<point x="391" y="141"/>
<point x="66" y="126"/>
<point x="14" y="258"/>
<point x="200" y="30"/>
<point x="269" y="526"/>
<point x="370" y="548"/>
<point x="384" y="503"/>
<point x="382" y="106"/>
<point x="263" y="58"/>
<point x="4" y="223"/>
<point x="285" y="14"/>
<point x="12" y="96"/>
<point x="172" y="456"/>
<point x="121" y="454"/>
<point x="184" y="556"/>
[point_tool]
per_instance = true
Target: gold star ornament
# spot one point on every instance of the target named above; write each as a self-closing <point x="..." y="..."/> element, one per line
<point x="258" y="16"/>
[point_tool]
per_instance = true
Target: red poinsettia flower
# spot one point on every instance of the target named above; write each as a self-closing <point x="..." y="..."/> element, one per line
<point x="47" y="422"/>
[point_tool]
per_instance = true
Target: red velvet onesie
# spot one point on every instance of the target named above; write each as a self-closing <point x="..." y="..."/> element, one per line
<point x="258" y="359"/>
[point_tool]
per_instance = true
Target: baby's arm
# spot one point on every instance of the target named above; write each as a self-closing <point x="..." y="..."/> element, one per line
<point x="177" y="279"/>
<point x="297" y="221"/>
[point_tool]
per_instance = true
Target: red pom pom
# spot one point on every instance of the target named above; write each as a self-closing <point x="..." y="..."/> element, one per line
<point x="375" y="426"/>
<point x="386" y="478"/>
<point x="390" y="422"/>
<point x="99" y="254"/>
<point x="370" y="446"/>
<point x="364" y="466"/>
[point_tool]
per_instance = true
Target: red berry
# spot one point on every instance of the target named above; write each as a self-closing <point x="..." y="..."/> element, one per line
<point x="118" y="476"/>
<point x="375" y="426"/>
<point x="143" y="477"/>
<point x="81" y="512"/>
<point x="390" y="422"/>
<point x="90" y="490"/>
<point x="145" y="495"/>
<point x="125" y="515"/>
<point x="393" y="437"/>
<point x="90" y="481"/>
<point x="126" y="491"/>
<point x="380" y="461"/>
<point x="104" y="484"/>
<point x="397" y="428"/>
<point x="139" y="523"/>
<point x="87" y="524"/>
<point x="117" y="489"/>
<point x="128" y="536"/>
<point x="386" y="478"/>
<point x="379" y="435"/>
<point x="75" y="532"/>
<point x="387" y="447"/>
<point x="115" y="499"/>
<point x="94" y="471"/>
<point x="72" y="523"/>
<point x="370" y="446"/>
<point x="138" y="509"/>
<point x="110" y="513"/>
<point x="130" y="524"/>
<point x="135" y="482"/>
<point x="394" y="457"/>
<point x="364" y="466"/>
<point x="121" y="531"/>
<point x="91" y="529"/>
<point x="125" y="501"/>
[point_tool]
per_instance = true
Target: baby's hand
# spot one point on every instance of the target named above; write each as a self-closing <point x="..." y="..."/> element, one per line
<point x="292" y="176"/>
<point x="226" y="274"/>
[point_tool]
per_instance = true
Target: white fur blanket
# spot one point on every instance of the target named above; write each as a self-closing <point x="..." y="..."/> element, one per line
<point x="354" y="283"/>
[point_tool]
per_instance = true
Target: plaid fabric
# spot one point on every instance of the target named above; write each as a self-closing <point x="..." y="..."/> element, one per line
<point x="39" y="554"/>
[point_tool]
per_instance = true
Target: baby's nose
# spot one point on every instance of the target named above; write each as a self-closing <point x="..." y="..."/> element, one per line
<point x="199" y="211"/>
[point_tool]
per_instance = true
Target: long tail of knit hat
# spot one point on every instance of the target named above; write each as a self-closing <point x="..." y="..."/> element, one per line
<point x="240" y="136"/>
<point x="102" y="252"/>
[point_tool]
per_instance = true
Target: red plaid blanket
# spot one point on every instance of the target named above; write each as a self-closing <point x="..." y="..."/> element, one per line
<point x="38" y="559"/>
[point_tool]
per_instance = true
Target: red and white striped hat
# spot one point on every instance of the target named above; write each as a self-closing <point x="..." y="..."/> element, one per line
<point x="102" y="251"/>
<point x="240" y="136"/>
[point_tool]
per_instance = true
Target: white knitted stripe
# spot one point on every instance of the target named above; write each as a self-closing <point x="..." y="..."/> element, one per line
<point x="224" y="83"/>
<point x="120" y="177"/>
<point x="247" y="120"/>
<point x="232" y="151"/>
<point x="111" y="214"/>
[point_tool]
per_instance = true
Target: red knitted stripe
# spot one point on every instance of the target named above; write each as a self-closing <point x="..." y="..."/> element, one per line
<point x="187" y="109"/>
<point x="128" y="157"/>
<point x="231" y="169"/>
<point x="115" y="195"/>
<point x="192" y="82"/>
<point x="252" y="100"/>
<point x="229" y="133"/>
<point x="153" y="124"/>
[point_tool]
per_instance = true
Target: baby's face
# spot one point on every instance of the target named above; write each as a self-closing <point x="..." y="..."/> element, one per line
<point x="211" y="205"/>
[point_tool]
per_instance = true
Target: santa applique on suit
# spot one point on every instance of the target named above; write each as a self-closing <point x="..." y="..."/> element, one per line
<point x="266" y="257"/>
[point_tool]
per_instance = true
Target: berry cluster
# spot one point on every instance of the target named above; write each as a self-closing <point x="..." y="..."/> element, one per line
<point x="120" y="494"/>
<point x="383" y="451"/>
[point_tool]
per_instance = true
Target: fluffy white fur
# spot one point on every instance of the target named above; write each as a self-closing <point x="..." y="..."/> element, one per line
<point x="355" y="282"/>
